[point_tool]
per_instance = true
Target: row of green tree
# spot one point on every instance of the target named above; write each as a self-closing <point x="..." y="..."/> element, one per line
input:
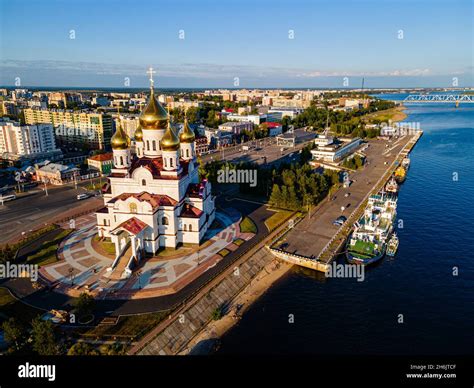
<point x="355" y="162"/>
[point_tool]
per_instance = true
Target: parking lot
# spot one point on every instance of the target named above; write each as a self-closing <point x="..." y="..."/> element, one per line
<point x="310" y="236"/>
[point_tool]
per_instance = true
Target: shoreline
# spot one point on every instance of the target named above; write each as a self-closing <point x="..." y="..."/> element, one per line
<point x="208" y="338"/>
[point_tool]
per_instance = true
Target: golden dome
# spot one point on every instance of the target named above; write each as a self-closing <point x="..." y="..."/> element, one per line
<point x="170" y="142"/>
<point x="187" y="134"/>
<point x="154" y="116"/>
<point x="138" y="133"/>
<point x="120" y="140"/>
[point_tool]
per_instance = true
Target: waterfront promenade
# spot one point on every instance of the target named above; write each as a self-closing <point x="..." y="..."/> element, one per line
<point x="315" y="241"/>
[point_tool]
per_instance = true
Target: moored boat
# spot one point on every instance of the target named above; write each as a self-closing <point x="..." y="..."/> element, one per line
<point x="392" y="186"/>
<point x="368" y="242"/>
<point x="392" y="245"/>
<point x="400" y="174"/>
<point x="406" y="163"/>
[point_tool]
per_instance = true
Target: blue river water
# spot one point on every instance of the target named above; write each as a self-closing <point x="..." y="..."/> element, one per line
<point x="344" y="316"/>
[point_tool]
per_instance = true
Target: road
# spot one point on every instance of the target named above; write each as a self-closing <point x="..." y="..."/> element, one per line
<point x="47" y="300"/>
<point x="261" y="149"/>
<point x="34" y="208"/>
<point x="309" y="237"/>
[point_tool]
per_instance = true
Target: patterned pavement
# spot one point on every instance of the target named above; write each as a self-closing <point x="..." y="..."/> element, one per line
<point x="81" y="268"/>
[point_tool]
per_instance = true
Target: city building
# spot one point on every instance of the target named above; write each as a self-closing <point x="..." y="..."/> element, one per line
<point x="330" y="149"/>
<point x="274" y="129"/>
<point x="56" y="174"/>
<point x="154" y="198"/>
<point x="202" y="145"/>
<point x="27" y="141"/>
<point x="255" y="119"/>
<point x="75" y="128"/>
<point x="236" y="127"/>
<point x="285" y="112"/>
<point x="102" y="163"/>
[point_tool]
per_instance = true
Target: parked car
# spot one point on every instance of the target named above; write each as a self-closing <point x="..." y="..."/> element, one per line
<point x="340" y="220"/>
<point x="82" y="196"/>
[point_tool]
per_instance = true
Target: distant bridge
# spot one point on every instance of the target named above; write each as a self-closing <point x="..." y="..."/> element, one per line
<point x="442" y="98"/>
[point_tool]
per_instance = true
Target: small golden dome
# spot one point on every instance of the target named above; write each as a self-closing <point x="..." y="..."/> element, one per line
<point x="120" y="140"/>
<point x="154" y="116"/>
<point x="187" y="134"/>
<point x="170" y="142"/>
<point x="138" y="133"/>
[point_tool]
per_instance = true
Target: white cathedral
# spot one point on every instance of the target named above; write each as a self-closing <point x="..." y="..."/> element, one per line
<point x="154" y="197"/>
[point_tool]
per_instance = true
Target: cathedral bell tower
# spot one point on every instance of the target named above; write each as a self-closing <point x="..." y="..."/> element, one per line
<point x="120" y="143"/>
<point x="186" y="139"/>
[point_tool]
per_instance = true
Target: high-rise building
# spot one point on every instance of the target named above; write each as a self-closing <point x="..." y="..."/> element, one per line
<point x="74" y="127"/>
<point x="18" y="141"/>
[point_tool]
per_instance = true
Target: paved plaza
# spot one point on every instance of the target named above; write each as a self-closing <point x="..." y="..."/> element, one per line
<point x="82" y="265"/>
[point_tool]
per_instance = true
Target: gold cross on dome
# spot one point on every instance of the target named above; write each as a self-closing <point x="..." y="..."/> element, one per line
<point x="151" y="72"/>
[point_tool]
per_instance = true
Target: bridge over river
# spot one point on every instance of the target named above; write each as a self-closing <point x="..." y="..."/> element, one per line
<point x="439" y="98"/>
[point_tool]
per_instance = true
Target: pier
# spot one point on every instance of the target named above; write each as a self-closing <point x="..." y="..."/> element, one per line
<point x="313" y="242"/>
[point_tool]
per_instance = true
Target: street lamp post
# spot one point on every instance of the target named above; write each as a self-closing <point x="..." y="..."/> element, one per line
<point x="45" y="181"/>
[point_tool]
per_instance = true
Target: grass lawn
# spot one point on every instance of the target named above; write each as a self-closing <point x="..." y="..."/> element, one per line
<point x="277" y="218"/>
<point x="47" y="252"/>
<point x="10" y="307"/>
<point x="394" y="114"/>
<point x="248" y="226"/>
<point x="130" y="326"/>
<point x="106" y="245"/>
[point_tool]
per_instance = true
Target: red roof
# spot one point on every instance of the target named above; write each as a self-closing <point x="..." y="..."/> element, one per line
<point x="155" y="166"/>
<point x="102" y="157"/>
<point x="189" y="211"/>
<point x="155" y="200"/>
<point x="196" y="190"/>
<point x="132" y="225"/>
<point x="272" y="125"/>
<point x="230" y="110"/>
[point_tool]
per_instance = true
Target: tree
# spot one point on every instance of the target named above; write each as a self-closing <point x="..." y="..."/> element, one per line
<point x="14" y="332"/>
<point x="84" y="304"/>
<point x="275" y="197"/>
<point x="82" y="349"/>
<point x="44" y="341"/>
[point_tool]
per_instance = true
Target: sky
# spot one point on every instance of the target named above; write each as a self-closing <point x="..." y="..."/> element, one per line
<point x="402" y="43"/>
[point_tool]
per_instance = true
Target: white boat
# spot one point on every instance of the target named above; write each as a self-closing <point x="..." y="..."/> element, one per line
<point x="406" y="163"/>
<point x="392" y="245"/>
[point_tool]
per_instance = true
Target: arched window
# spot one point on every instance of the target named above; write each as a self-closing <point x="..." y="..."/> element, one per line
<point x="185" y="227"/>
<point x="154" y="145"/>
<point x="133" y="207"/>
<point x="164" y="221"/>
<point x="121" y="160"/>
<point x="143" y="182"/>
<point x="190" y="228"/>
<point x="187" y="152"/>
<point x="148" y="145"/>
<point x="164" y="159"/>
<point x="171" y="162"/>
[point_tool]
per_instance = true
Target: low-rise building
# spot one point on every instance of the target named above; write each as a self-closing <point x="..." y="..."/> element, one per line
<point x="274" y="129"/>
<point x="202" y="145"/>
<point x="330" y="149"/>
<point x="56" y="174"/>
<point x="102" y="163"/>
<point x="236" y="127"/>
